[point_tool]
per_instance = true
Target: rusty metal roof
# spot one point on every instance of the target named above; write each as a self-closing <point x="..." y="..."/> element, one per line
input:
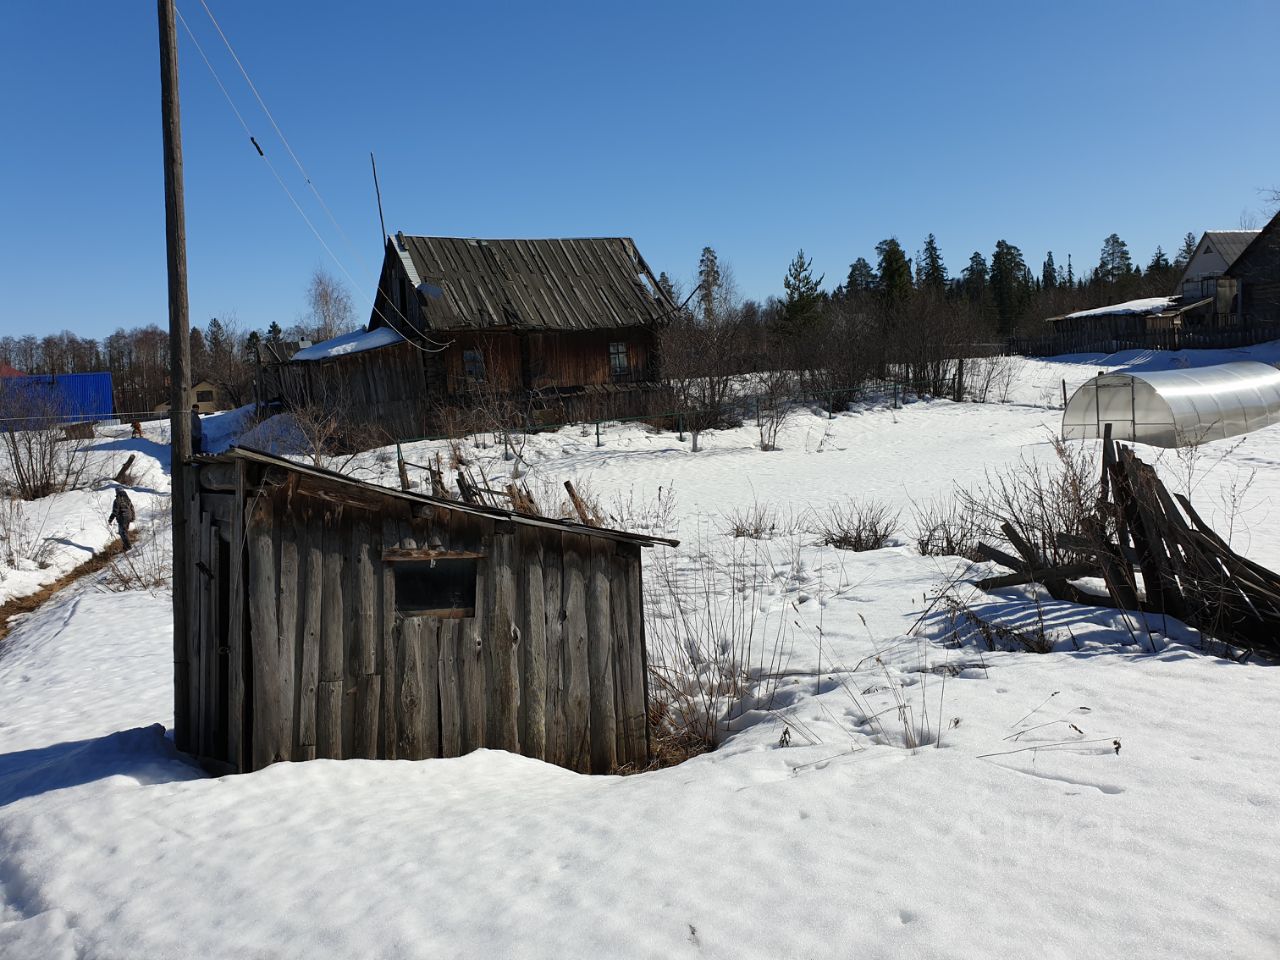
<point x="589" y="283"/>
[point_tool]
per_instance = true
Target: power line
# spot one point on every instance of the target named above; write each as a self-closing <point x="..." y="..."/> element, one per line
<point x="435" y="345"/>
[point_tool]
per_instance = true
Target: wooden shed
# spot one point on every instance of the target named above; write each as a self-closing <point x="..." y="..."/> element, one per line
<point x="330" y="617"/>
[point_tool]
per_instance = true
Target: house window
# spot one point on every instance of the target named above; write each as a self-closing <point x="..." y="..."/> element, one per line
<point x="204" y="396"/>
<point x="618" y="363"/>
<point x="473" y="365"/>
<point x="442" y="587"/>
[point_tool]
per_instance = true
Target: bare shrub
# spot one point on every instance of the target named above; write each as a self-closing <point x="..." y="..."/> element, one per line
<point x="991" y="379"/>
<point x="21" y="541"/>
<point x="757" y="521"/>
<point x="944" y="529"/>
<point x="42" y="458"/>
<point x="655" y="515"/>
<point x="856" y="525"/>
<point x="1039" y="500"/>
<point x="148" y="565"/>
<point x="773" y="406"/>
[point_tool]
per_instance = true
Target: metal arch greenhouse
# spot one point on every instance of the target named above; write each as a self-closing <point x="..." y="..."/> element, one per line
<point x="1176" y="408"/>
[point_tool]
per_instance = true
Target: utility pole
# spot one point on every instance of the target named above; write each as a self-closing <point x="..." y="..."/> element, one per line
<point x="179" y="361"/>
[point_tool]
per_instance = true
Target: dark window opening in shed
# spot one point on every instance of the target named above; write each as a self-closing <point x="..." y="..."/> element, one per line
<point x="204" y="396"/>
<point x="443" y="587"/>
<point x="618" y="363"/>
<point x="473" y="365"/>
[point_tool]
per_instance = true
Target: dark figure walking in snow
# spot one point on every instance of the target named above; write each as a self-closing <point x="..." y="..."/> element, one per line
<point x="197" y="432"/>
<point x="122" y="513"/>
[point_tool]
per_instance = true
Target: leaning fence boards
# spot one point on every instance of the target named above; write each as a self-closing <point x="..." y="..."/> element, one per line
<point x="332" y="619"/>
<point x="1142" y="534"/>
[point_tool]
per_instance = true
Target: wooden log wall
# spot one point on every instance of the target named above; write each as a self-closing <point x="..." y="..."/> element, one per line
<point x="317" y="662"/>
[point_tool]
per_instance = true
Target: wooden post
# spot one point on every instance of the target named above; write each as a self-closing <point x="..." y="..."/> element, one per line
<point x="179" y="351"/>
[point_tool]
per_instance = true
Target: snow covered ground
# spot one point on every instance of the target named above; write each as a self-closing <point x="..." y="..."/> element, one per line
<point x="934" y="800"/>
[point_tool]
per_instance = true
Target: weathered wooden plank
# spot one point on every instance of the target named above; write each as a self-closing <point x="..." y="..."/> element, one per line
<point x="553" y="709"/>
<point x="237" y="570"/>
<point x="410" y="739"/>
<point x="329" y="705"/>
<point x="628" y="661"/>
<point x="502" y="688"/>
<point x="472" y="656"/>
<point x="575" y="664"/>
<point x="533" y="645"/>
<point x="600" y="651"/>
<point x="368" y="706"/>
<point x="216" y="736"/>
<point x="636" y="606"/>
<point x="272" y="665"/>
<point x="329" y="697"/>
<point x="447" y="683"/>
<point x="388" y="630"/>
<point x="311" y="612"/>
<point x="287" y="598"/>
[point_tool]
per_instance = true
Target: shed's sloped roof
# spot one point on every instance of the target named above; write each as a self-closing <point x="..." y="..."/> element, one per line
<point x="1230" y="243"/>
<point x="573" y="284"/>
<point x="1129" y="307"/>
<point x="1176" y="408"/>
<point x="260" y="456"/>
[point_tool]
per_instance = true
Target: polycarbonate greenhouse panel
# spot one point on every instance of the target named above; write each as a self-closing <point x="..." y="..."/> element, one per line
<point x="1176" y="408"/>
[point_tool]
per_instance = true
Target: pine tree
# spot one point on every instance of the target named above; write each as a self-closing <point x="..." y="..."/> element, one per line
<point x="1009" y="287"/>
<point x="1115" y="263"/>
<point x="974" y="278"/>
<point x="933" y="272"/>
<point x="895" y="276"/>
<point x="1186" y="251"/>
<point x="861" y="277"/>
<point x="1048" y="273"/>
<point x="1071" y="274"/>
<point x="667" y="287"/>
<point x="708" y="282"/>
<point x="800" y="307"/>
<point x="274" y="333"/>
<point x="1159" y="262"/>
<point x="216" y="338"/>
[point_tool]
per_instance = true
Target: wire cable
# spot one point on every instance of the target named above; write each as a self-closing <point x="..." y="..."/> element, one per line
<point x="436" y="346"/>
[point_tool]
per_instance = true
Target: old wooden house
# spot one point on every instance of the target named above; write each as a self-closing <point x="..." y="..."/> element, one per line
<point x="330" y="617"/>
<point x="539" y="330"/>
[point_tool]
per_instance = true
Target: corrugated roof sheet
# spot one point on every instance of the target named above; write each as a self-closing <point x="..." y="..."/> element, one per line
<point x="1230" y="243"/>
<point x="571" y="284"/>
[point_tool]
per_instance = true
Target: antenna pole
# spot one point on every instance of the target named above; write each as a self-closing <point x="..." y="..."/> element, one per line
<point x="179" y="360"/>
<point x="378" y="191"/>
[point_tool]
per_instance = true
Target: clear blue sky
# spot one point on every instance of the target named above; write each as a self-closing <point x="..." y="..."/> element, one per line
<point x="756" y="128"/>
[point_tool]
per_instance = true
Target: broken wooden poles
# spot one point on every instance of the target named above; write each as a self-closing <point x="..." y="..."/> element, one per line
<point x="1155" y="554"/>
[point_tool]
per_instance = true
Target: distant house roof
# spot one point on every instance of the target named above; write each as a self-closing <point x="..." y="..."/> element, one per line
<point x="1129" y="308"/>
<point x="1230" y="243"/>
<point x="8" y="371"/>
<point x="571" y="284"/>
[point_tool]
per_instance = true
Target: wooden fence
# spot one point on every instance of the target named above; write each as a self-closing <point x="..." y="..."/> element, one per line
<point x="1086" y="341"/>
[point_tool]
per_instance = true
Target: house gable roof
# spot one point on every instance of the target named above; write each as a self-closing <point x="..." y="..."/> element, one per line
<point x="1229" y="243"/>
<point x="1272" y="225"/>
<point x="589" y="283"/>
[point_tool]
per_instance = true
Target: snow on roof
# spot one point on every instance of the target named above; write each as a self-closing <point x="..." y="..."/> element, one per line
<point x="353" y="342"/>
<point x="1147" y="305"/>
